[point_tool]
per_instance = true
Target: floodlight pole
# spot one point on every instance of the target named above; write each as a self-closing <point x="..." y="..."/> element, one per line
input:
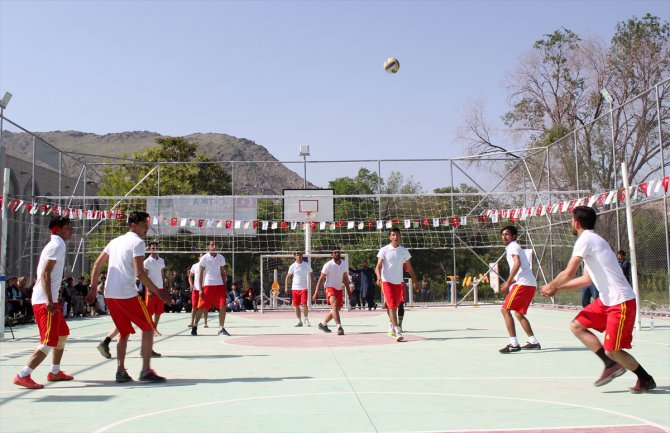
<point x="606" y="95"/>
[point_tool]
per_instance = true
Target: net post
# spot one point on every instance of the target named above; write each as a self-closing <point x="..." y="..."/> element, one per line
<point x="631" y="244"/>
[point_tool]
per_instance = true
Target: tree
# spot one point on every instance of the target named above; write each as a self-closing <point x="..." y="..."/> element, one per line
<point x="198" y="176"/>
<point x="556" y="89"/>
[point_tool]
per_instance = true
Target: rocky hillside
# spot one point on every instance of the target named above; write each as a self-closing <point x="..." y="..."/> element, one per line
<point x="268" y="177"/>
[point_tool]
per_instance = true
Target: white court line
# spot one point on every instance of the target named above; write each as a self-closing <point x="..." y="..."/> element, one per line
<point x="549" y="402"/>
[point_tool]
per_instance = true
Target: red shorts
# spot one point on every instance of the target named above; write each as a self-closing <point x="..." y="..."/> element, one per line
<point x="155" y="305"/>
<point x="299" y="297"/>
<point x="125" y="312"/>
<point x="51" y="325"/>
<point x="332" y="291"/>
<point x="617" y="321"/>
<point x="394" y="294"/>
<point x="212" y="296"/>
<point x="519" y="298"/>
<point x="195" y="298"/>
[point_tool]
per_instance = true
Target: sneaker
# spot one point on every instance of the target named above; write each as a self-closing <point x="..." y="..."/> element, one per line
<point x="194" y="330"/>
<point x="58" y="377"/>
<point x="298" y="325"/>
<point x="509" y="349"/>
<point x="27" y="382"/>
<point x="531" y="346"/>
<point x="391" y="333"/>
<point x="399" y="337"/>
<point x="151" y="376"/>
<point x="223" y="332"/>
<point x="206" y="325"/>
<point x="307" y="322"/>
<point x="104" y="350"/>
<point x="123" y="376"/>
<point x="155" y="354"/>
<point x="324" y="328"/>
<point x="374" y="307"/>
<point x="640" y="387"/>
<point x="609" y="374"/>
<point x="340" y="331"/>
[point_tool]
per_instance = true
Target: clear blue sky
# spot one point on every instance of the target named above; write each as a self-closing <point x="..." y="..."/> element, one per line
<point x="281" y="73"/>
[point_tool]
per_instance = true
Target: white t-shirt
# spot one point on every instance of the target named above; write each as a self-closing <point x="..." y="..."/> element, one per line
<point x="603" y="267"/>
<point x="195" y="270"/>
<point x="121" y="270"/>
<point x="335" y="273"/>
<point x="54" y="250"/>
<point x="524" y="275"/>
<point x="212" y="265"/>
<point x="155" y="268"/>
<point x="392" y="263"/>
<point x="300" y="272"/>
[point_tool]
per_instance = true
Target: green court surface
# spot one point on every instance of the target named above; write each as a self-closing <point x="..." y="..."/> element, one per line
<point x="272" y="377"/>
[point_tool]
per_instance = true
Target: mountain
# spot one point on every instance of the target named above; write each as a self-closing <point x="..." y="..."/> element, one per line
<point x="249" y="178"/>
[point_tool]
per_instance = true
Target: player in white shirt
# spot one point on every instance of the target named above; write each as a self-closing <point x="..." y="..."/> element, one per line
<point x="522" y="286"/>
<point x="154" y="267"/>
<point x="614" y="310"/>
<point x="213" y="291"/>
<point x="125" y="258"/>
<point x="391" y="262"/>
<point x="300" y="272"/>
<point x="194" y="283"/>
<point x="335" y="273"/>
<point x="48" y="313"/>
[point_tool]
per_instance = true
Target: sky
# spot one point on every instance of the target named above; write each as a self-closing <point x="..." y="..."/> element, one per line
<point x="283" y="73"/>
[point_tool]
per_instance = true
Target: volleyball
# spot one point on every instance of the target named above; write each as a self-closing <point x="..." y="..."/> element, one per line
<point x="391" y="65"/>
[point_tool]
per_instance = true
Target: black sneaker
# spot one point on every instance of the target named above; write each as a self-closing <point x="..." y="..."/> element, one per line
<point x="104" y="350"/>
<point x="643" y="386"/>
<point x="151" y="376"/>
<point x="155" y="354"/>
<point x="531" y="346"/>
<point x="340" y="331"/>
<point x="194" y="330"/>
<point x="324" y="328"/>
<point x="123" y="376"/>
<point x="509" y="349"/>
<point x="223" y="331"/>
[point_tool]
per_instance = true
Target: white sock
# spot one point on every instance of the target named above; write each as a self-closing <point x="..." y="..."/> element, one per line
<point x="55" y="368"/>
<point x="513" y="341"/>
<point x="324" y="323"/>
<point x="339" y="325"/>
<point x="25" y="371"/>
<point x="532" y="340"/>
<point x="398" y="330"/>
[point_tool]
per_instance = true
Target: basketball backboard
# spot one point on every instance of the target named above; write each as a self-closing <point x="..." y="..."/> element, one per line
<point x="301" y="205"/>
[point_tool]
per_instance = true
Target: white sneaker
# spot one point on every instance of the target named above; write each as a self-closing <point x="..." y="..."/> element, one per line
<point x="298" y="325"/>
<point x="398" y="334"/>
<point x="307" y="322"/>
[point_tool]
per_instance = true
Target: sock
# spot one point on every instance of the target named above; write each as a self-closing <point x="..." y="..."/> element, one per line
<point x="25" y="371"/>
<point x="397" y="330"/>
<point x="106" y="341"/>
<point x="532" y="340"/>
<point x="513" y="341"/>
<point x="642" y="374"/>
<point x="339" y="325"/>
<point x="606" y="359"/>
<point x="55" y="368"/>
<point x="324" y="323"/>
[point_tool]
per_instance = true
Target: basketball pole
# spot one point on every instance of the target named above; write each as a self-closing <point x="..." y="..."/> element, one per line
<point x="308" y="251"/>
<point x="631" y="245"/>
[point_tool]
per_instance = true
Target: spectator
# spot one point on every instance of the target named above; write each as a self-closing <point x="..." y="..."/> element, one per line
<point x="624" y="263"/>
<point x="13" y="296"/>
<point x="80" y="291"/>
<point x="367" y="281"/>
<point x="66" y="296"/>
<point x="235" y="299"/>
<point x="589" y="293"/>
<point x="249" y="300"/>
<point x="425" y="289"/>
<point x="100" y="305"/>
<point x="26" y="294"/>
<point x="175" y="280"/>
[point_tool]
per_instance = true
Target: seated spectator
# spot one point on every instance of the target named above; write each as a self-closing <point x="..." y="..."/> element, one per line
<point x="249" y="300"/>
<point x="79" y="293"/>
<point x="26" y="298"/>
<point x="66" y="300"/>
<point x="235" y="299"/>
<point x="14" y="301"/>
<point x="100" y="305"/>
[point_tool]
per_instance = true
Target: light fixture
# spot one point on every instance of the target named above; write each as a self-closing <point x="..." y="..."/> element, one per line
<point x="605" y="94"/>
<point x="304" y="151"/>
<point x="5" y="100"/>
